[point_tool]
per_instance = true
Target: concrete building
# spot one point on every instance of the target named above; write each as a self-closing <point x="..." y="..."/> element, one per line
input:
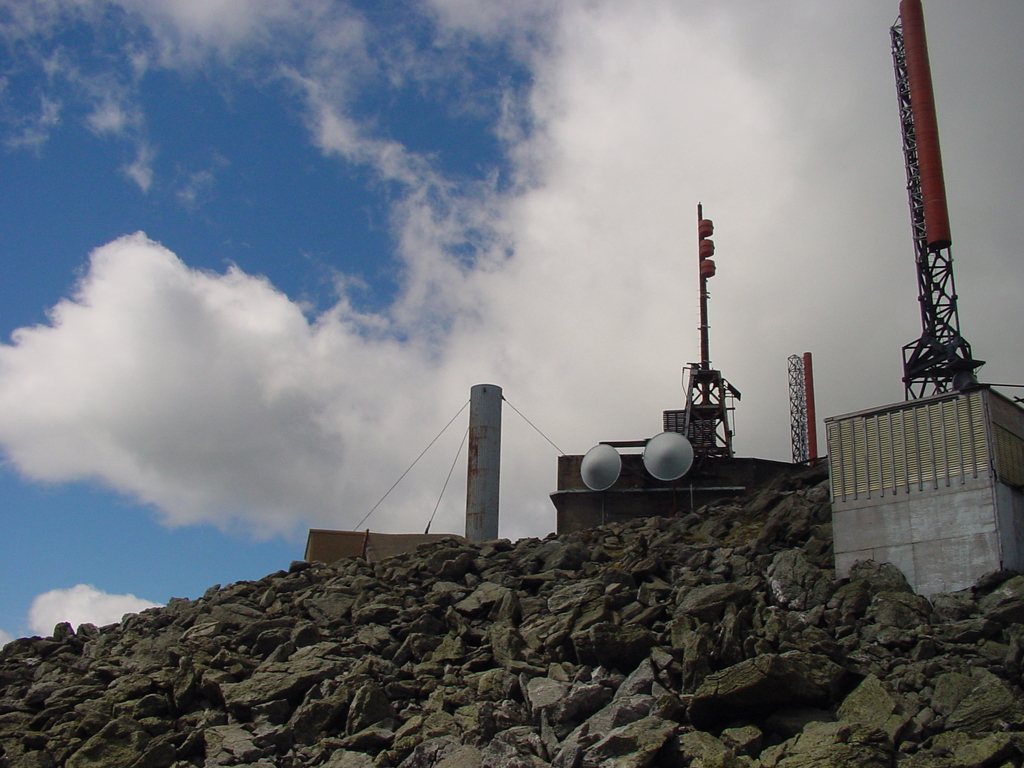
<point x="934" y="486"/>
<point x="637" y="494"/>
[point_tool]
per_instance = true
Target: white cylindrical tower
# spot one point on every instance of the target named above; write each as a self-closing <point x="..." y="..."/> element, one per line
<point x="484" y="462"/>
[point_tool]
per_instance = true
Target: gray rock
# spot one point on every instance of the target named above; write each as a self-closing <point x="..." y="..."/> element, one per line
<point x="900" y="609"/>
<point x="699" y="748"/>
<point x="833" y="745"/>
<point x="39" y="758"/>
<point x="276" y="680"/>
<point x="121" y="742"/>
<point x="640" y="680"/>
<point x="795" y="583"/>
<point x="950" y="689"/>
<point x="497" y="684"/>
<point x="482" y="599"/>
<point x="873" y="707"/>
<point x="788" y="722"/>
<point x="708" y="603"/>
<point x="627" y="638"/>
<point x="319" y="714"/>
<point x="543" y="693"/>
<point x="582" y="701"/>
<point x="519" y="742"/>
<point x="1005" y="603"/>
<point x="630" y="746"/>
<point x="568" y="556"/>
<point x="880" y="577"/>
<point x="615" y="646"/>
<point x="462" y="757"/>
<point x="375" y="613"/>
<point x="994" y="749"/>
<point x="344" y="758"/>
<point x="369" y="707"/>
<point x="953" y="607"/>
<point x="622" y="710"/>
<point x="744" y="740"/>
<point x="765" y="683"/>
<point x="429" y="753"/>
<point x="452" y="648"/>
<point x="229" y="745"/>
<point x="507" y="644"/>
<point x="989" y="706"/>
<point x="574" y="596"/>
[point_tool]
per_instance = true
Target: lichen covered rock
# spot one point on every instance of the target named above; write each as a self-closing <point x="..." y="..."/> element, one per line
<point x="721" y="638"/>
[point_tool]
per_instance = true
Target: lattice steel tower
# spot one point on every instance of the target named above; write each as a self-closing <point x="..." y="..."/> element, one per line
<point x="705" y="422"/>
<point x="941" y="359"/>
<point x="802" y="418"/>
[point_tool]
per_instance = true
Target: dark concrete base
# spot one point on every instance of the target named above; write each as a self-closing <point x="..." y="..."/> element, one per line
<point x="637" y="494"/>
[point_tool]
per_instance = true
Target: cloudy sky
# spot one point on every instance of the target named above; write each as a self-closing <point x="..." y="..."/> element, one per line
<point x="256" y="252"/>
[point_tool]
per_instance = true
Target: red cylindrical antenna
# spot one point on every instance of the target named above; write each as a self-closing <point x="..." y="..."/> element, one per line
<point x="812" y="423"/>
<point x="706" y="269"/>
<point x="926" y="126"/>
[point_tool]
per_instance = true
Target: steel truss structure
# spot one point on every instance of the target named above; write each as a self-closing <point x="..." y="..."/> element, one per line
<point x="941" y="359"/>
<point x="705" y="422"/>
<point x="798" y="409"/>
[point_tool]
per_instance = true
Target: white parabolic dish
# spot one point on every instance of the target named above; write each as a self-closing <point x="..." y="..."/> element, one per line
<point x="600" y="467"/>
<point x="668" y="456"/>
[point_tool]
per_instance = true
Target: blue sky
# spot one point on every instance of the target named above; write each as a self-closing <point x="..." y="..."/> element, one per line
<point x="353" y="212"/>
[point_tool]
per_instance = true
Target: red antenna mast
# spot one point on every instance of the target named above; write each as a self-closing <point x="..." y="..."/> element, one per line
<point x="705" y="422"/>
<point x="802" y="417"/>
<point x="941" y="359"/>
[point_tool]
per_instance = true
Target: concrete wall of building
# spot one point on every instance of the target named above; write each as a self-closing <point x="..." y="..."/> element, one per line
<point x="931" y="486"/>
<point x="1010" y="506"/>
<point x="942" y="539"/>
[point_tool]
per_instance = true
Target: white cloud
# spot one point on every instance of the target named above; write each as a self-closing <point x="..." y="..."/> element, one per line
<point x="5" y="638"/>
<point x="34" y="130"/>
<point x="81" y="604"/>
<point x="196" y="186"/>
<point x="183" y="31"/>
<point x="140" y="170"/>
<point x="109" y="117"/>
<point x="213" y="398"/>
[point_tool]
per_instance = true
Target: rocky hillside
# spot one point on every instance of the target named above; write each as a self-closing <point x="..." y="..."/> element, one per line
<point x="719" y="640"/>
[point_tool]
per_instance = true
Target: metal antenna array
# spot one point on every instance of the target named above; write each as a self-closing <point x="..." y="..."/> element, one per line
<point x="705" y="422"/>
<point x="941" y="359"/>
<point x="802" y="418"/>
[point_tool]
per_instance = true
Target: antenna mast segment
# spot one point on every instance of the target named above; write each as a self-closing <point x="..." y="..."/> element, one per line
<point x="941" y="359"/>
<point x="705" y="421"/>
<point x="802" y="418"/>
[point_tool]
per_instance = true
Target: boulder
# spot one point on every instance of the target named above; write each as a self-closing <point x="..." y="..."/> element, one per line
<point x="121" y="742"/>
<point x="870" y="705"/>
<point x="795" y="583"/>
<point x="719" y="639"/>
<point x="834" y="745"/>
<point x="630" y="746"/>
<point x="880" y="577"/>
<point x="612" y="645"/>
<point x="1005" y="603"/>
<point x="989" y="706"/>
<point x="766" y="683"/>
<point x="708" y="603"/>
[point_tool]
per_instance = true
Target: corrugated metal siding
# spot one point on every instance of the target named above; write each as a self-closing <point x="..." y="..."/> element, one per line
<point x="912" y="445"/>
<point x="1009" y="450"/>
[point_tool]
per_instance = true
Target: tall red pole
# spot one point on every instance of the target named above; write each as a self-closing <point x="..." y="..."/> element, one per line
<point x="812" y="423"/>
<point x="926" y="125"/>
<point x="705" y="346"/>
